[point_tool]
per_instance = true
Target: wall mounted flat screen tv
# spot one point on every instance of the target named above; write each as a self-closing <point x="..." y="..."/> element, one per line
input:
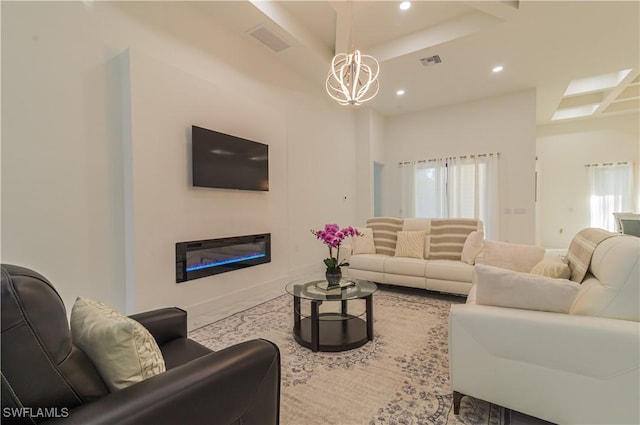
<point x="228" y="162"/>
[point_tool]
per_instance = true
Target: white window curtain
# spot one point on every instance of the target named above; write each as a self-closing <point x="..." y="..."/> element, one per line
<point x="408" y="176"/>
<point x="489" y="199"/>
<point x="461" y="187"/>
<point x="430" y="189"/>
<point x="611" y="190"/>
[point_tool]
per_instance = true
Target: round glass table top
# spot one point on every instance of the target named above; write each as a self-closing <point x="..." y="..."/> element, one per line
<point x="312" y="289"/>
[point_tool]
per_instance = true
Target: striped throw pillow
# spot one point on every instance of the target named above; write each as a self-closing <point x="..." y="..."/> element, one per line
<point x="385" y="230"/>
<point x="581" y="249"/>
<point x="448" y="237"/>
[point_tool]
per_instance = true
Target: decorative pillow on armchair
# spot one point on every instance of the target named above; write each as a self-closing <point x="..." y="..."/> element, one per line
<point x="123" y="351"/>
<point x="510" y="256"/>
<point x="506" y="288"/>
<point x="555" y="267"/>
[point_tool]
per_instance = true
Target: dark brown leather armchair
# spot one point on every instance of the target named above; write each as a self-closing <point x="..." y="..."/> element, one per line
<point x="46" y="379"/>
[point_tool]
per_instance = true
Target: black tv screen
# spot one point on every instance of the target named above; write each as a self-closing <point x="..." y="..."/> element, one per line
<point x="228" y="162"/>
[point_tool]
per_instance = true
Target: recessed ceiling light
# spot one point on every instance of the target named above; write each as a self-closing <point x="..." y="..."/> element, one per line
<point x="599" y="82"/>
<point x="498" y="68"/>
<point x="400" y="92"/>
<point x="405" y="5"/>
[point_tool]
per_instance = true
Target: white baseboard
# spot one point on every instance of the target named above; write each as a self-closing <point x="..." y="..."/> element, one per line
<point x="218" y="308"/>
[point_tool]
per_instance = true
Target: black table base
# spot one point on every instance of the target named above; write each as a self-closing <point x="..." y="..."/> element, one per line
<point x="332" y="331"/>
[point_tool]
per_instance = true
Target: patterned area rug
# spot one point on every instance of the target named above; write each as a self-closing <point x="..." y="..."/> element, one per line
<point x="401" y="377"/>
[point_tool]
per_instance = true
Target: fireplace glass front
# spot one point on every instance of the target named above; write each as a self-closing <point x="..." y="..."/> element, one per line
<point x="196" y="259"/>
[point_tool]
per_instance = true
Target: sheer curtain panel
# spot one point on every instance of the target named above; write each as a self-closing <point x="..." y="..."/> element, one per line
<point x="408" y="176"/>
<point x="430" y="189"/>
<point x="611" y="190"/>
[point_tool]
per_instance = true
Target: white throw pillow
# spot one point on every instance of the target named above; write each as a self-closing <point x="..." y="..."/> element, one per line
<point x="123" y="351"/>
<point x="555" y="267"/>
<point x="472" y="247"/>
<point x="510" y="256"/>
<point x="410" y="244"/>
<point x="363" y="244"/>
<point x="506" y="288"/>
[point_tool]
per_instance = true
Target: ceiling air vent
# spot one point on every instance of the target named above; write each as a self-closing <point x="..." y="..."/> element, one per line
<point x="431" y="60"/>
<point x="269" y="39"/>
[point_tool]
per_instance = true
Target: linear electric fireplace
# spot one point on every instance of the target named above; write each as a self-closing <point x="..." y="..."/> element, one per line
<point x="196" y="259"/>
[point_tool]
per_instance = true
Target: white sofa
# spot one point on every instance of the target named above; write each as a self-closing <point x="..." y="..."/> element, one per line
<point x="577" y="368"/>
<point x="453" y="276"/>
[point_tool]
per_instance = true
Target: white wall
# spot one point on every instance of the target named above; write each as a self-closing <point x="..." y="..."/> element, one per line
<point x="563" y="150"/>
<point x="67" y="181"/>
<point x="504" y="124"/>
<point x="369" y="149"/>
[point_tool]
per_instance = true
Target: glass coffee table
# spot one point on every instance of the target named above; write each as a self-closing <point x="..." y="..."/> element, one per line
<point x="331" y="320"/>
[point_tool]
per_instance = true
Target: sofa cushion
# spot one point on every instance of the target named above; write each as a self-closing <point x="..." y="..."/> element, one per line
<point x="405" y="266"/>
<point x="613" y="289"/>
<point x="369" y="262"/>
<point x="555" y="267"/>
<point x="123" y="351"/>
<point x="385" y="231"/>
<point x="449" y="270"/>
<point x="410" y="244"/>
<point x="411" y="224"/>
<point x="506" y="288"/>
<point x="472" y="247"/>
<point x="363" y="244"/>
<point x="510" y="256"/>
<point x="448" y="237"/>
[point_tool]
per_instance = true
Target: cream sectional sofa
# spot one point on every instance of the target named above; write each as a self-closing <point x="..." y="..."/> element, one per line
<point x="579" y="366"/>
<point x="429" y="272"/>
<point x="445" y="265"/>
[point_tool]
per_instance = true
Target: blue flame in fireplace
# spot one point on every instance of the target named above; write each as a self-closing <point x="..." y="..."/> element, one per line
<point x="223" y="262"/>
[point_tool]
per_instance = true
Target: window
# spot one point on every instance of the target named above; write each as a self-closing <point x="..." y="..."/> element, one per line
<point x="463" y="187"/>
<point x="611" y="190"/>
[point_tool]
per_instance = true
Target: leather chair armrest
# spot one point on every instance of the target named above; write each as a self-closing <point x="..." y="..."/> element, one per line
<point x="240" y="384"/>
<point x="164" y="324"/>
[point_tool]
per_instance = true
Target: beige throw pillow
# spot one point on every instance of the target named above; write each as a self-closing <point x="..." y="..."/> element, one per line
<point x="555" y="267"/>
<point x="472" y="247"/>
<point x="510" y="256"/>
<point x="410" y="244"/>
<point x="506" y="288"/>
<point x="123" y="351"/>
<point x="363" y="244"/>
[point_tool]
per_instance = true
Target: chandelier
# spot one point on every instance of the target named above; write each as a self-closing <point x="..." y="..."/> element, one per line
<point x="353" y="79"/>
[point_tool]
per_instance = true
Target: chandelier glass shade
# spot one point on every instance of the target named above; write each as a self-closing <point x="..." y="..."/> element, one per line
<point x="353" y="79"/>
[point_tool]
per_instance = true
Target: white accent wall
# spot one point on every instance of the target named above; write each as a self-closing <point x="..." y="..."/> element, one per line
<point x="97" y="104"/>
<point x="369" y="149"/>
<point x="505" y="124"/>
<point x="563" y="150"/>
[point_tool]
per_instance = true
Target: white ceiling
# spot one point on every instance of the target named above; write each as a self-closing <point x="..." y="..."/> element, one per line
<point x="541" y="44"/>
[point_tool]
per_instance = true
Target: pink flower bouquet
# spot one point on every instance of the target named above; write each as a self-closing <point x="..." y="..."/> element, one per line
<point x="333" y="236"/>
